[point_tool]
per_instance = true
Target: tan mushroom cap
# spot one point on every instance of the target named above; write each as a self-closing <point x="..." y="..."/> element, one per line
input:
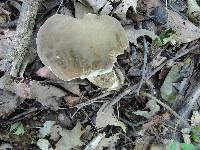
<point x="80" y="48"/>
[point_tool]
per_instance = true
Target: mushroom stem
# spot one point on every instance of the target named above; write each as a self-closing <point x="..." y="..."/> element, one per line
<point x="111" y="81"/>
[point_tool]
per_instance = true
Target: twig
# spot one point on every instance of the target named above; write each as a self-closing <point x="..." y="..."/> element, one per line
<point x="185" y="52"/>
<point x="191" y="100"/>
<point x="23" y="33"/>
<point x="119" y="97"/>
<point x="166" y="107"/>
<point x="95" y="142"/>
<point x="61" y="5"/>
<point x="93" y="100"/>
<point x="144" y="65"/>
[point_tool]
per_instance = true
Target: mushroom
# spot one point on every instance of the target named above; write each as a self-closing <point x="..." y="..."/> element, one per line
<point x="82" y="48"/>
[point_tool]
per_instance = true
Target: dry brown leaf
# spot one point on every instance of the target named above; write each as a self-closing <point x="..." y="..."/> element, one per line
<point x="143" y="143"/>
<point x="95" y="142"/>
<point x="5" y="65"/>
<point x="6" y="43"/>
<point x="73" y="88"/>
<point x="44" y="144"/>
<point x="8" y="102"/>
<point x="106" y="116"/>
<point x="134" y="34"/>
<point x="107" y="6"/>
<point x="47" y="95"/>
<point x="154" y="108"/>
<point x="156" y="120"/>
<point x="123" y="7"/>
<point x="70" y="138"/>
<point x="158" y="60"/>
<point x="46" y="73"/>
<point x="186" y="31"/>
<point x="108" y="142"/>
<point x="71" y="100"/>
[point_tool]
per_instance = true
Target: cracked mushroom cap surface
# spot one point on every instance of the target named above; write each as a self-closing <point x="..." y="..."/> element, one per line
<point x="80" y="48"/>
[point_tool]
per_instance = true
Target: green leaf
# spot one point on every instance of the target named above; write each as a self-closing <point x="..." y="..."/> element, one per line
<point x="195" y="136"/>
<point x="17" y="128"/>
<point x="168" y="92"/>
<point x="173" y="145"/>
<point x="164" y="37"/>
<point x="185" y="146"/>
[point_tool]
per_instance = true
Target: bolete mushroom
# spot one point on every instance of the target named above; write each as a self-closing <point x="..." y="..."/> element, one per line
<point x="82" y="48"/>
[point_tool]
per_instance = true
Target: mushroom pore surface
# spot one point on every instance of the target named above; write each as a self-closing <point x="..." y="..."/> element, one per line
<point x="80" y="48"/>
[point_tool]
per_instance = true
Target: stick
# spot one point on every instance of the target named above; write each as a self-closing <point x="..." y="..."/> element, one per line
<point x="144" y="65"/>
<point x="23" y="34"/>
<point x="93" y="100"/>
<point x="185" y="52"/>
<point x="119" y="97"/>
<point x="166" y="107"/>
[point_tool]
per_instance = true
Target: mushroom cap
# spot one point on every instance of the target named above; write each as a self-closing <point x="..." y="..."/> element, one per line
<point x="80" y="48"/>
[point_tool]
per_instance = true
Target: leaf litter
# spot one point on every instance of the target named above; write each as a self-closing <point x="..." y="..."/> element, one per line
<point x="169" y="40"/>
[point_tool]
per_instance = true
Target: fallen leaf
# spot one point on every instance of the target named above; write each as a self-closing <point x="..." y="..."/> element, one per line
<point x="5" y="146"/>
<point x="55" y="132"/>
<point x="107" y="7"/>
<point x="70" y="138"/>
<point x="107" y="117"/>
<point x="165" y="37"/>
<point x="95" y="142"/>
<point x="193" y="11"/>
<point x="187" y="138"/>
<point x="157" y="147"/>
<point x="47" y="95"/>
<point x="44" y="144"/>
<point x="8" y="102"/>
<point x="73" y="88"/>
<point x="143" y="143"/>
<point x="156" y="120"/>
<point x="154" y="108"/>
<point x="50" y="129"/>
<point x="71" y="100"/>
<point x="46" y="129"/>
<point x="123" y="7"/>
<point x="159" y="59"/>
<point x="134" y="34"/>
<point x="186" y="146"/>
<point x="174" y="145"/>
<point x="5" y="65"/>
<point x="168" y="92"/>
<point x="108" y="142"/>
<point x="17" y="128"/>
<point x="186" y="31"/>
<point x="176" y="80"/>
<point x="195" y="134"/>
<point x="97" y="4"/>
<point x="5" y="45"/>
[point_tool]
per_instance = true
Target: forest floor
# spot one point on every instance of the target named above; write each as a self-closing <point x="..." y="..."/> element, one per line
<point x="156" y="107"/>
